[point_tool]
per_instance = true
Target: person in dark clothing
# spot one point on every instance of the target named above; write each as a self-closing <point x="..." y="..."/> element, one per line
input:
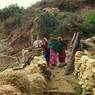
<point x="46" y="50"/>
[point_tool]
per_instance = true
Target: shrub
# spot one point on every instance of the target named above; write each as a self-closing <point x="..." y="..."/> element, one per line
<point x="69" y="5"/>
<point x="89" y="22"/>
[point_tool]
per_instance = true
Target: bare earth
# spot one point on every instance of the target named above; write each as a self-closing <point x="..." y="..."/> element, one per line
<point x="63" y="83"/>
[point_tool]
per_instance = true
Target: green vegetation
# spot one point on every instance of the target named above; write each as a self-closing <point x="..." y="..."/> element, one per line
<point x="46" y="23"/>
<point x="89" y="22"/>
<point x="69" y="5"/>
<point x="65" y="5"/>
<point x="88" y="1"/>
<point x="11" y="18"/>
<point x="70" y="19"/>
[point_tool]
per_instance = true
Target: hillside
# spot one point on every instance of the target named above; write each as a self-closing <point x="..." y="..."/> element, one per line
<point x="19" y="26"/>
<point x="23" y="68"/>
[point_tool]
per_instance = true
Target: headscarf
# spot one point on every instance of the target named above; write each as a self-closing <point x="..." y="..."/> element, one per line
<point x="54" y="44"/>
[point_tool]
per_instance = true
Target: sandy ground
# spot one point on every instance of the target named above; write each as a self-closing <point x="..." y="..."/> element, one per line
<point x="61" y="82"/>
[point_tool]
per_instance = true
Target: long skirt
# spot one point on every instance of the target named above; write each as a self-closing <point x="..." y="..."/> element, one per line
<point x="53" y="57"/>
<point x="62" y="56"/>
<point x="47" y="55"/>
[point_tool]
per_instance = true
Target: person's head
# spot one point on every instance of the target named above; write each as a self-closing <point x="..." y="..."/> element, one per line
<point x="44" y="39"/>
<point x="51" y="36"/>
<point x="59" y="38"/>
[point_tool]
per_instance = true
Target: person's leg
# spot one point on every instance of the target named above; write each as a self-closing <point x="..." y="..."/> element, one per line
<point x="61" y="58"/>
<point x="52" y="57"/>
<point x="47" y="54"/>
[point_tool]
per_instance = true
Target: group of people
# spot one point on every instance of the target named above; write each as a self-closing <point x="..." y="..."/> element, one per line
<point x="54" y="51"/>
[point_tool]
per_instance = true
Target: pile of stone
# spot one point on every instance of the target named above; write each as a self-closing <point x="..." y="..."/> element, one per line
<point x="85" y="70"/>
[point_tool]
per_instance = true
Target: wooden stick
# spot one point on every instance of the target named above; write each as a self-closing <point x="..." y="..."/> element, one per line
<point x="74" y="36"/>
<point x="74" y="49"/>
<point x="90" y="44"/>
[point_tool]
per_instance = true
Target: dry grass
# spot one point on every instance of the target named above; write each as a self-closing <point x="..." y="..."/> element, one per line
<point x="17" y="79"/>
<point x="31" y="69"/>
<point x="9" y="90"/>
<point x="29" y="81"/>
<point x="27" y="84"/>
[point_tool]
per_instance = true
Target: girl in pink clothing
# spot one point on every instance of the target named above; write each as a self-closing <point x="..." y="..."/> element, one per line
<point x="53" y="57"/>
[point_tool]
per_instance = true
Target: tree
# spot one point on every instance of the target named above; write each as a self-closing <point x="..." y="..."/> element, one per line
<point x="68" y="5"/>
<point x="12" y="17"/>
<point x="88" y="1"/>
<point x="45" y="23"/>
<point x="56" y="23"/>
<point x="89" y="22"/>
<point x="70" y="22"/>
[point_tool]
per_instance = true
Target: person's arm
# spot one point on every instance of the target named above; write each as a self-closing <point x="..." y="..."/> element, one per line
<point x="64" y="44"/>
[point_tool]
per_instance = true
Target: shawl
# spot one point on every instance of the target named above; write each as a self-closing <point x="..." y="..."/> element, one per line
<point x="54" y="44"/>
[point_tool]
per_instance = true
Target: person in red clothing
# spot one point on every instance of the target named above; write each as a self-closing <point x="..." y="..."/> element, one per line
<point x="46" y="50"/>
<point x="61" y="54"/>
